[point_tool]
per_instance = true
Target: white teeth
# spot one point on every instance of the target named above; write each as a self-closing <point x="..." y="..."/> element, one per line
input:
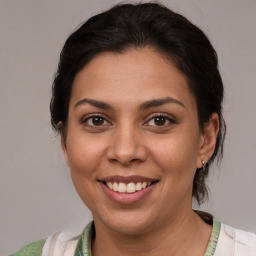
<point x="138" y="186"/>
<point x="115" y="186"/>
<point x="127" y="188"/>
<point x="110" y="185"/>
<point x="144" y="184"/>
<point x="130" y="188"/>
<point x="122" y="187"/>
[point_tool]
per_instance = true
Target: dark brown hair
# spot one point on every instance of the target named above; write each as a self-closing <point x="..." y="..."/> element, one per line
<point x="139" y="25"/>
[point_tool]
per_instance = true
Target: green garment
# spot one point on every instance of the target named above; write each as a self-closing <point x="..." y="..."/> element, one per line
<point x="84" y="243"/>
<point x="33" y="249"/>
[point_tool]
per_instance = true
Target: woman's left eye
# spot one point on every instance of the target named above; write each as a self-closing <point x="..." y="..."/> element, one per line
<point x="160" y="120"/>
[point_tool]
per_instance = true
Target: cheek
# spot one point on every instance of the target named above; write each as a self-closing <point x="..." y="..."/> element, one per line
<point x="177" y="156"/>
<point x="84" y="155"/>
<point x="84" y="158"/>
<point x="177" y="150"/>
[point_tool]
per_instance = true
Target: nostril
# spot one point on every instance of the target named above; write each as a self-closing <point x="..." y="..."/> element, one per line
<point x="126" y="146"/>
<point x="126" y="157"/>
<point x="126" y="162"/>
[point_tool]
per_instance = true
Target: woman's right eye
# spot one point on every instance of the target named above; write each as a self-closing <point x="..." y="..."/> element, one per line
<point x="96" y="121"/>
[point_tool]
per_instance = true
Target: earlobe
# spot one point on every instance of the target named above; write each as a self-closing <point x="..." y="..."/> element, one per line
<point x="209" y="136"/>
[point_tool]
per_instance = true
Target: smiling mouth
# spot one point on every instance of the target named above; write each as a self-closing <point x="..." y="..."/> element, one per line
<point x="130" y="187"/>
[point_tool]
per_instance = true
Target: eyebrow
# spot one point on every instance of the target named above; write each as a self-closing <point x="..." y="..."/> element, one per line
<point x="144" y="106"/>
<point x="159" y="102"/>
<point x="95" y="103"/>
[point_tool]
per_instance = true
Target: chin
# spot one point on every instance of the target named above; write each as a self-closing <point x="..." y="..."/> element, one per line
<point x="127" y="223"/>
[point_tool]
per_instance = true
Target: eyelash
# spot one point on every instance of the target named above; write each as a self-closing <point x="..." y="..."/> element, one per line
<point x="150" y="118"/>
<point x="91" y="116"/>
<point x="166" y="117"/>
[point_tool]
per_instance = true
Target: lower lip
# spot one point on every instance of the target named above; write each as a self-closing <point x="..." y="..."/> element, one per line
<point x="127" y="198"/>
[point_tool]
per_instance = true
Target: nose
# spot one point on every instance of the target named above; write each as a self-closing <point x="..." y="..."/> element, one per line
<point x="127" y="146"/>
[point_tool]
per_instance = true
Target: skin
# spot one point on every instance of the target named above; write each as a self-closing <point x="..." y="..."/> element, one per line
<point x="129" y="141"/>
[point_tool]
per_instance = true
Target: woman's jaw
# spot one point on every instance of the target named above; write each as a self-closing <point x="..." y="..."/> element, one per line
<point x="136" y="213"/>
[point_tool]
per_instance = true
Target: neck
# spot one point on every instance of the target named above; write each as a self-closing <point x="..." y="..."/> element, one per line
<point x="185" y="235"/>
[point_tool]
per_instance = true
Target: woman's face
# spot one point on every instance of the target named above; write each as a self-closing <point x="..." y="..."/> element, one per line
<point x="133" y="123"/>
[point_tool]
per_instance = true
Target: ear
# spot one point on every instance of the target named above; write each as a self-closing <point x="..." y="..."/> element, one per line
<point x="63" y="142"/>
<point x="208" y="139"/>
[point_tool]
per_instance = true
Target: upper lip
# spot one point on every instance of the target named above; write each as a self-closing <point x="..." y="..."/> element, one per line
<point x="126" y="179"/>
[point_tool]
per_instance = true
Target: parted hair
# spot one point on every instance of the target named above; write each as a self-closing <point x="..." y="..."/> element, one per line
<point x="127" y="26"/>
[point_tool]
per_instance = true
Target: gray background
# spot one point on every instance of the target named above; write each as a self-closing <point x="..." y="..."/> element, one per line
<point x="36" y="193"/>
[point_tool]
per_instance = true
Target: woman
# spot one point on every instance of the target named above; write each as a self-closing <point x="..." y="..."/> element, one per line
<point x="137" y="100"/>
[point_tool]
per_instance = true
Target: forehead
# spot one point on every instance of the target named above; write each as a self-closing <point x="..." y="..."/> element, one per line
<point x="135" y="75"/>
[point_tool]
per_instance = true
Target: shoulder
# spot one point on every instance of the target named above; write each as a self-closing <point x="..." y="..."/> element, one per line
<point x="70" y="242"/>
<point x="32" y="249"/>
<point x="61" y="243"/>
<point x="67" y="242"/>
<point x="235" y="242"/>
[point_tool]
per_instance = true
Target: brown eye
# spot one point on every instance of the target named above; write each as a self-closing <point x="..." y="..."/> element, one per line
<point x="96" y="121"/>
<point x="160" y="120"/>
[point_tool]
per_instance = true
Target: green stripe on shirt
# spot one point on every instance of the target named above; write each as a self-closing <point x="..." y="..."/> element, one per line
<point x="32" y="249"/>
